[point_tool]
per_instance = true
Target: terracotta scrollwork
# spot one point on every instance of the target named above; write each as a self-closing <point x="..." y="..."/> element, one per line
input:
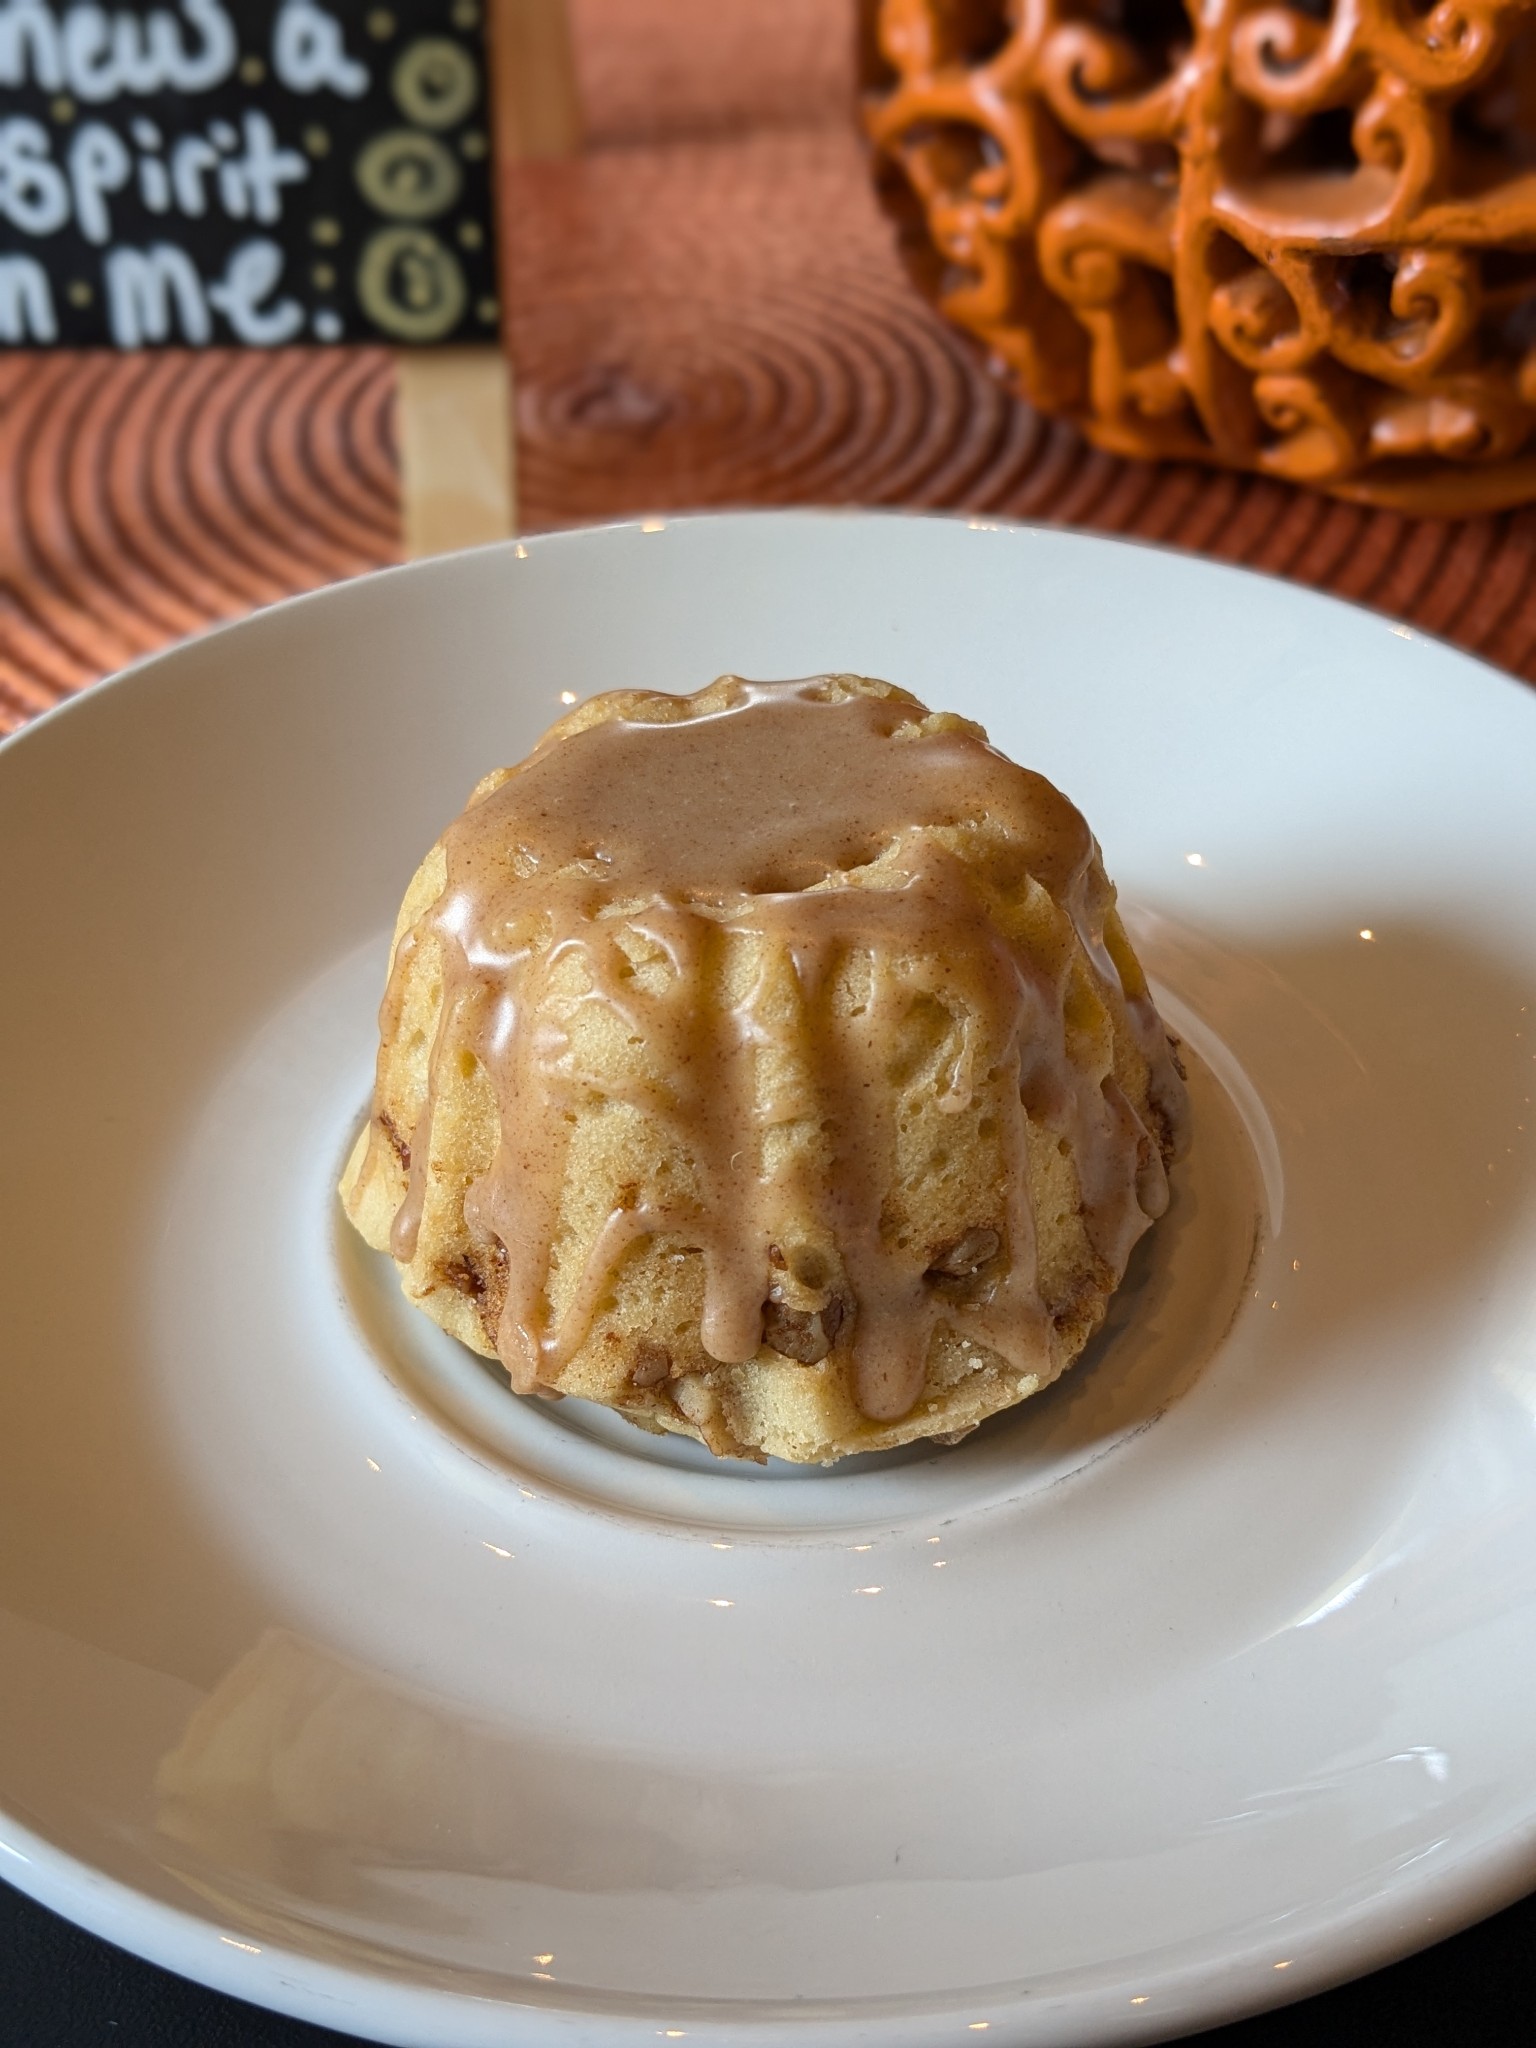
<point x="1097" y="84"/>
<point x="1107" y="252"/>
<point x="1320" y="433"/>
<point x="1295" y="64"/>
<point x="1267" y="237"/>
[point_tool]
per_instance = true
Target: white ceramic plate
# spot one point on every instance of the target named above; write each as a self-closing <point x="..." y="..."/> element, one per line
<point x="333" y="1676"/>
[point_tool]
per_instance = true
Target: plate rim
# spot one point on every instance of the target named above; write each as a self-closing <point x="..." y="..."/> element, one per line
<point x="304" y="1987"/>
<point x="524" y="546"/>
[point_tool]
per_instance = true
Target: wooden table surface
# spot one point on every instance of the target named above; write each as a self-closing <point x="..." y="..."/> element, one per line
<point x="706" y="310"/>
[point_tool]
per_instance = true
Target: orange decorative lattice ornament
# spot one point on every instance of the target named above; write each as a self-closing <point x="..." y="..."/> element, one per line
<point x="1294" y="238"/>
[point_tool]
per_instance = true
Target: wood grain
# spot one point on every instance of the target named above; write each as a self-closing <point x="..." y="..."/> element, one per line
<point x="535" y="100"/>
<point x="145" y="496"/>
<point x="454" y="434"/>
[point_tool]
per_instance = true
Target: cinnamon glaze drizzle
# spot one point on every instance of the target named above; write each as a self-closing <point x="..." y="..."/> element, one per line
<point x="760" y="860"/>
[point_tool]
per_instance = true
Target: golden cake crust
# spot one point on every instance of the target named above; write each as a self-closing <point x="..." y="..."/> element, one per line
<point x="556" y="1171"/>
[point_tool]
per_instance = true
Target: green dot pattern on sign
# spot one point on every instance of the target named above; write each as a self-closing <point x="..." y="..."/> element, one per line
<point x="410" y="284"/>
<point x="435" y="82"/>
<point x="408" y="175"/>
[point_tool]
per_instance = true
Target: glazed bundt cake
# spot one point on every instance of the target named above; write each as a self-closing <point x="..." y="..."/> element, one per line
<point x="770" y="1065"/>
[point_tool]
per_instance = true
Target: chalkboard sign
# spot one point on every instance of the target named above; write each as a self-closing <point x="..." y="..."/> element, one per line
<point x="255" y="172"/>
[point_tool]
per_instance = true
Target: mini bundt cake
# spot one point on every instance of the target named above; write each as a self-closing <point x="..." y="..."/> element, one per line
<point x="769" y="1065"/>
